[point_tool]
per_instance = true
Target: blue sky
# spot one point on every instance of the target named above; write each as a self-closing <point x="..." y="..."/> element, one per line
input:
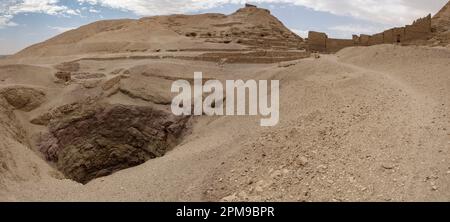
<point x="25" y="22"/>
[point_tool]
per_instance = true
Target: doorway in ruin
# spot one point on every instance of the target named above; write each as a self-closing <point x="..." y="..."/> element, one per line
<point x="399" y="38"/>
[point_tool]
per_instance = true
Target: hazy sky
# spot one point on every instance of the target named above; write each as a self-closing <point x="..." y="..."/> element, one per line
<point x="25" y="22"/>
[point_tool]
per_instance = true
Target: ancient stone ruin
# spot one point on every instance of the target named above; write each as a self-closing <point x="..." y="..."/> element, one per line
<point x="420" y="30"/>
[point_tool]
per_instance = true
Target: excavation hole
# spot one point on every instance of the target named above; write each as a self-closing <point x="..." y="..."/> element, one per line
<point x="105" y="139"/>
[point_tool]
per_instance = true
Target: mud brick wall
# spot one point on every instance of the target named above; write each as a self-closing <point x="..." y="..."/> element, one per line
<point x="419" y="30"/>
<point x="334" y="45"/>
<point x="317" y="41"/>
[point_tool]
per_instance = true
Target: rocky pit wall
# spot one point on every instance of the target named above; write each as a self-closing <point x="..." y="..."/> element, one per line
<point x="100" y="140"/>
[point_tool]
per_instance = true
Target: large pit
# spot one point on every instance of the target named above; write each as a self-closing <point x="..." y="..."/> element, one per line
<point x="98" y="141"/>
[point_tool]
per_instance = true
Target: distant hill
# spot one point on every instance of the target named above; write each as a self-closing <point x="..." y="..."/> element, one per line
<point x="247" y="27"/>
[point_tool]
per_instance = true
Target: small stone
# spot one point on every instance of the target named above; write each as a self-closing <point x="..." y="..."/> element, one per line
<point x="303" y="161"/>
<point x="434" y="188"/>
<point x="322" y="168"/>
<point x="352" y="179"/>
<point x="243" y="195"/>
<point x="275" y="174"/>
<point x="388" y="166"/>
<point x="231" y="198"/>
<point x="259" y="189"/>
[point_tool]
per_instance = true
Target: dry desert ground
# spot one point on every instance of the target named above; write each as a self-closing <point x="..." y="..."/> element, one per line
<point x="86" y="116"/>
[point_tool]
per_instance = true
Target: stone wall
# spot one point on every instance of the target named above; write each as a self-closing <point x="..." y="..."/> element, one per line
<point x="334" y="45"/>
<point x="317" y="41"/>
<point x="419" y="30"/>
<point x="376" y="39"/>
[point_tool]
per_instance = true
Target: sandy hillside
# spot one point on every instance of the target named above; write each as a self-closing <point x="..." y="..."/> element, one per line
<point x="441" y="25"/>
<point x="248" y="27"/>
<point x="441" y="19"/>
<point x="86" y="117"/>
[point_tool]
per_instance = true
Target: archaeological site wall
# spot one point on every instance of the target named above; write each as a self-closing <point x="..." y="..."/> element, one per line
<point x="334" y="45"/>
<point x="317" y="41"/>
<point x="419" y="30"/>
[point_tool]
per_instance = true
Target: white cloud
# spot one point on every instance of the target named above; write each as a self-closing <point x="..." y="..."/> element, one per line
<point x="5" y="21"/>
<point x="73" y="12"/>
<point x="301" y="33"/>
<point x="92" y="10"/>
<point x="61" y="29"/>
<point x="37" y="6"/>
<point x="10" y="8"/>
<point x="346" y="31"/>
<point x="392" y="12"/>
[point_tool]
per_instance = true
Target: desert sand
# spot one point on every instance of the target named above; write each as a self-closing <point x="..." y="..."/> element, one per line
<point x="85" y="116"/>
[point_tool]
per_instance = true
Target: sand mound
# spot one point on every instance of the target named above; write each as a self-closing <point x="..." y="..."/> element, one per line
<point x="361" y="121"/>
<point x="18" y="163"/>
<point x="392" y="54"/>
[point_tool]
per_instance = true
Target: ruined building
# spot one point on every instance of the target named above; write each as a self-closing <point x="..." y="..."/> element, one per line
<point x="250" y="6"/>
<point x="418" y="31"/>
